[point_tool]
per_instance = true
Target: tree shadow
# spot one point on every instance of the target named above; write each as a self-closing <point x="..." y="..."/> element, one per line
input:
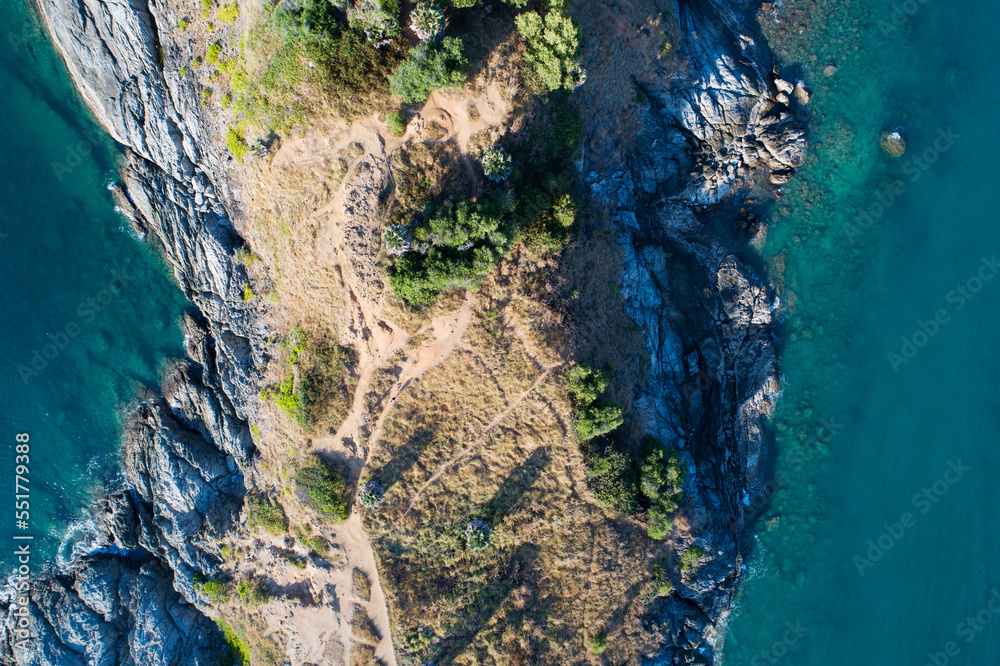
<point x="488" y="601"/>
<point x="512" y="490"/>
<point x="406" y="456"/>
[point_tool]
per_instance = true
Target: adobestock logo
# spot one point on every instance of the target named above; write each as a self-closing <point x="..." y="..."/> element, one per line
<point x="957" y="298"/>
<point x="901" y="11"/>
<point x="86" y="311"/>
<point x="923" y="501"/>
<point x="914" y="169"/>
<point x="778" y="650"/>
<point x="967" y="631"/>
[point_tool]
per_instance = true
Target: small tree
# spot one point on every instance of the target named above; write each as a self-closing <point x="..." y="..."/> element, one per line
<point x="477" y="535"/>
<point x="427" y="21"/>
<point x="497" y="164"/>
<point x="553" y="45"/>
<point x="324" y="488"/>
<point x="371" y="494"/>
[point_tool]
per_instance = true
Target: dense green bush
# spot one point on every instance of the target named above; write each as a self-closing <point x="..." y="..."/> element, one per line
<point x="662" y="478"/>
<point x="553" y="45"/>
<point x="396" y="122"/>
<point x="236" y="143"/>
<point x="457" y="246"/>
<point x="215" y="590"/>
<point x="265" y="514"/>
<point x="229" y="13"/>
<point x="430" y="67"/>
<point x="593" y="415"/>
<point x="324" y="488"/>
<point x="238" y="647"/>
<point x="691" y="560"/>
<point x="252" y="592"/>
<point x="613" y="480"/>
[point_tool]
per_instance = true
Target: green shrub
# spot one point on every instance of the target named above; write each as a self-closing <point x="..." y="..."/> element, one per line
<point x="663" y="474"/>
<point x="226" y="100"/>
<point x="663" y="585"/>
<point x="371" y="494"/>
<point x="252" y="592"/>
<point x="691" y="560"/>
<point x="318" y="545"/>
<point x="206" y="97"/>
<point x="427" y="20"/>
<point x="462" y="4"/>
<point x="229" y="13"/>
<point x="477" y="535"/>
<point x="236" y="143"/>
<point x="613" y="480"/>
<point x="417" y="639"/>
<point x="196" y="62"/>
<point x="497" y="164"/>
<point x="237" y="646"/>
<point x="208" y="4"/>
<point x="598" y="644"/>
<point x="215" y="590"/>
<point x="265" y="514"/>
<point x="593" y="415"/>
<point x="324" y="487"/>
<point x="183" y="71"/>
<point x="458" y="246"/>
<point x="553" y="46"/>
<point x="183" y="24"/>
<point x="214" y="50"/>
<point x="430" y="67"/>
<point x="396" y="122"/>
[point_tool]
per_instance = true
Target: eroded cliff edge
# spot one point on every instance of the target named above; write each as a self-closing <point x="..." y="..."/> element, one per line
<point x="677" y="147"/>
<point x="680" y="150"/>
<point x="186" y="452"/>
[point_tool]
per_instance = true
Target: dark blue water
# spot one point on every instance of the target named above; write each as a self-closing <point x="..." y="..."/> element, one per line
<point x="880" y="542"/>
<point x="88" y="313"/>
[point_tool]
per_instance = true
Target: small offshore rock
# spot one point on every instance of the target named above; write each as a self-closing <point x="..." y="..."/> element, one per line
<point x="782" y="98"/>
<point x="830" y="70"/>
<point x="892" y="143"/>
<point x="783" y="85"/>
<point x="800" y="93"/>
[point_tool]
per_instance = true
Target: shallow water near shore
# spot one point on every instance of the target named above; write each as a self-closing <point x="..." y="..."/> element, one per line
<point x="878" y="543"/>
<point x="90" y="314"/>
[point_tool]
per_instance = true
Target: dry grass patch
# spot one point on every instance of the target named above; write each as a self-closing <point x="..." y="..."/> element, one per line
<point x="361" y="586"/>
<point x="364" y="629"/>
<point x="560" y="568"/>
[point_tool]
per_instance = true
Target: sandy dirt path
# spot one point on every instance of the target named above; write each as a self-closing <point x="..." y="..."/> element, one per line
<point x="352" y="213"/>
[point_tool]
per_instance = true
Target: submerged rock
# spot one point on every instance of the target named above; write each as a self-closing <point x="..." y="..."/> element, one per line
<point x="892" y="143"/>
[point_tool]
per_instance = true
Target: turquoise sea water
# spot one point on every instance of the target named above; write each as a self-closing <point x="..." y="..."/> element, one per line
<point x="88" y="314"/>
<point x="880" y="542"/>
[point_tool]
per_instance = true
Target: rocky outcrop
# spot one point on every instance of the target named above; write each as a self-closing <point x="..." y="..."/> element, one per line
<point x="703" y="127"/>
<point x="130" y="597"/>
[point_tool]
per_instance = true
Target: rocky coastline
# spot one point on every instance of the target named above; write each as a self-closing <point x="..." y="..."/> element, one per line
<point x="703" y="136"/>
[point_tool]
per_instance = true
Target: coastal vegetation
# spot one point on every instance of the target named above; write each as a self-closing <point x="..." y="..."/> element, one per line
<point x="266" y="514"/>
<point x="322" y="487"/>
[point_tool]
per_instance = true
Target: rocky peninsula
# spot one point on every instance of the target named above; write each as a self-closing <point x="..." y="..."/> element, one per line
<point x="673" y="148"/>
